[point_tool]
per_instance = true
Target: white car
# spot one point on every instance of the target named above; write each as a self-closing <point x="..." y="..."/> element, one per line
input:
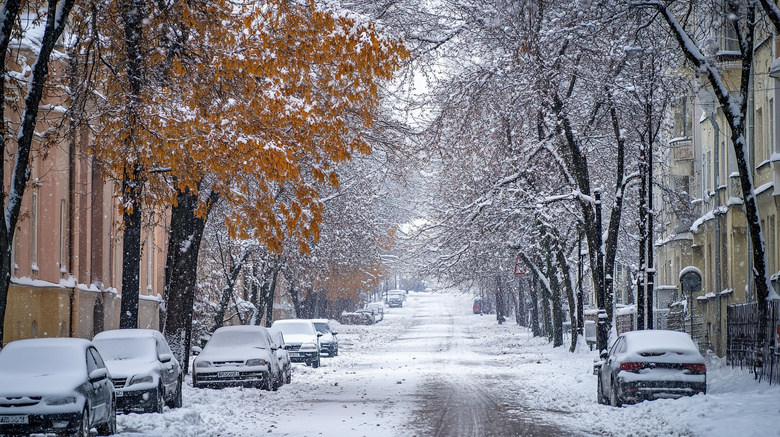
<point x="143" y="369"/>
<point x="285" y="365"/>
<point x="55" y="385"/>
<point x="650" y="364"/>
<point x="302" y="340"/>
<point x="237" y="355"/>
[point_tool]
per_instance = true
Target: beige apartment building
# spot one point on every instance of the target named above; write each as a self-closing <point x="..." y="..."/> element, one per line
<point x="704" y="220"/>
<point x="67" y="250"/>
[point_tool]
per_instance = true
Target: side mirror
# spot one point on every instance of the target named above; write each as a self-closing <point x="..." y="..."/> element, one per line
<point x="196" y="350"/>
<point x="334" y="333"/>
<point x="166" y="358"/>
<point x="319" y="334"/>
<point x="603" y="355"/>
<point x="98" y="375"/>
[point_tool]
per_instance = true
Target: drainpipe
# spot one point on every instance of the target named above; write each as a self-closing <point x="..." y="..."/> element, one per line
<point x="716" y="214"/>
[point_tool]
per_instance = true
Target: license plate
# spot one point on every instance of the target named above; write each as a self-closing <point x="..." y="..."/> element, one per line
<point x="18" y="419"/>
<point x="227" y="374"/>
<point x="294" y="355"/>
<point x="119" y="394"/>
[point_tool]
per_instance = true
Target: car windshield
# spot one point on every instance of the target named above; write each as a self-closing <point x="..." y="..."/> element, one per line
<point x="322" y="328"/>
<point x="41" y="361"/>
<point x="115" y="349"/>
<point x="295" y="327"/>
<point x="233" y="338"/>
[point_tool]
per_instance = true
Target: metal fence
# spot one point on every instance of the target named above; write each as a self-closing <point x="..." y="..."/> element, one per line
<point x="743" y="347"/>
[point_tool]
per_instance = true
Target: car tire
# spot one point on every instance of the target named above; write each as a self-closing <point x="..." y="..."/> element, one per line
<point x="159" y="401"/>
<point x="614" y="396"/>
<point x="335" y="351"/>
<point x="84" y="427"/>
<point x="288" y="376"/>
<point x="315" y="364"/>
<point x="109" y="428"/>
<point x="600" y="393"/>
<point x="176" y="402"/>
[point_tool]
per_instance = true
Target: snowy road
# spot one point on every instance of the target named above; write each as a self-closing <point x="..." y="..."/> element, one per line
<point x="434" y="369"/>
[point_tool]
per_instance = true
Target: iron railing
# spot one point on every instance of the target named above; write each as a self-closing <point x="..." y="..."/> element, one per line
<point x="744" y="349"/>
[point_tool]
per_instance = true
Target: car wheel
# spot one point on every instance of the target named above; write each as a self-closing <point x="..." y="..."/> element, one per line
<point x="599" y="393"/>
<point x="176" y="402"/>
<point x="83" y="430"/>
<point x="288" y="376"/>
<point x="614" y="396"/>
<point x="109" y="428"/>
<point x="159" y="402"/>
<point x="335" y="351"/>
<point x="268" y="384"/>
<point x="308" y="363"/>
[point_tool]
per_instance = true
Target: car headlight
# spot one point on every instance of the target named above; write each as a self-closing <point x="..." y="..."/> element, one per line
<point x="202" y="364"/>
<point x="255" y="362"/>
<point x="65" y="400"/>
<point x="140" y="379"/>
<point x="308" y="347"/>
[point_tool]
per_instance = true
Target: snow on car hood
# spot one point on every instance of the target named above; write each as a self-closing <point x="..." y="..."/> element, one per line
<point x="300" y="338"/>
<point x="37" y="385"/>
<point x="127" y="368"/>
<point x="236" y="353"/>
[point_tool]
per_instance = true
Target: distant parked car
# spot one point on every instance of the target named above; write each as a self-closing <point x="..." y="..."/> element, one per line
<point x="350" y="318"/>
<point x="482" y="306"/>
<point x="237" y="355"/>
<point x="145" y="373"/>
<point x="650" y="364"/>
<point x="285" y="365"/>
<point x="396" y="298"/>
<point x="302" y="341"/>
<point x="55" y="385"/>
<point x="366" y="316"/>
<point x="329" y="343"/>
<point x="379" y="310"/>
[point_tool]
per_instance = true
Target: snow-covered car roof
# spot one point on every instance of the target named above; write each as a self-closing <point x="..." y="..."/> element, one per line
<point x="127" y="333"/>
<point x="320" y="320"/>
<point x="660" y="340"/>
<point x="295" y="326"/>
<point x="41" y="356"/>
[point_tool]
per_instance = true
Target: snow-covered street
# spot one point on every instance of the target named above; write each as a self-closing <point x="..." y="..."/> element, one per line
<point x="434" y="368"/>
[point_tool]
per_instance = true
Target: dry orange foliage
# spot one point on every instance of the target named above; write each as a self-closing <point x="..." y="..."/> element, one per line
<point x="249" y="99"/>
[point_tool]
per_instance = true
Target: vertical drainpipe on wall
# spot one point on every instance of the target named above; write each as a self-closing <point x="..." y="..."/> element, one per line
<point x="716" y="214"/>
<point x="751" y="165"/>
<point x="71" y="191"/>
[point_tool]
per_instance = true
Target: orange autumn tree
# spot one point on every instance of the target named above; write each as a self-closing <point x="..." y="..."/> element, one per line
<point x="241" y="103"/>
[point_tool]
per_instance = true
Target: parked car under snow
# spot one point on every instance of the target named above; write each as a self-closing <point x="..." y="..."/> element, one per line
<point x="144" y="371"/>
<point x="302" y="340"/>
<point x="650" y="364"/>
<point x="285" y="365"/>
<point x="237" y="355"/>
<point x="329" y="343"/>
<point x="55" y="385"/>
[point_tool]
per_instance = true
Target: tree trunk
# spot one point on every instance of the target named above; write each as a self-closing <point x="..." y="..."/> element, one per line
<point x="268" y="296"/>
<point x="181" y="271"/>
<point x="131" y="249"/>
<point x="563" y="264"/>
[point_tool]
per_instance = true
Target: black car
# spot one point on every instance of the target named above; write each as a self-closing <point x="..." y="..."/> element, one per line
<point x="651" y="364"/>
<point x="55" y="385"/>
<point x="145" y="373"/>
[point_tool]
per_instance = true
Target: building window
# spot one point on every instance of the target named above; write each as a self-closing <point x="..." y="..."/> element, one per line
<point x="759" y="131"/>
<point x="34" y="232"/>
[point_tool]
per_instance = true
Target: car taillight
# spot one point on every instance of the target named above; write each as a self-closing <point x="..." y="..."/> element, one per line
<point x="697" y="367"/>
<point x="631" y="366"/>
